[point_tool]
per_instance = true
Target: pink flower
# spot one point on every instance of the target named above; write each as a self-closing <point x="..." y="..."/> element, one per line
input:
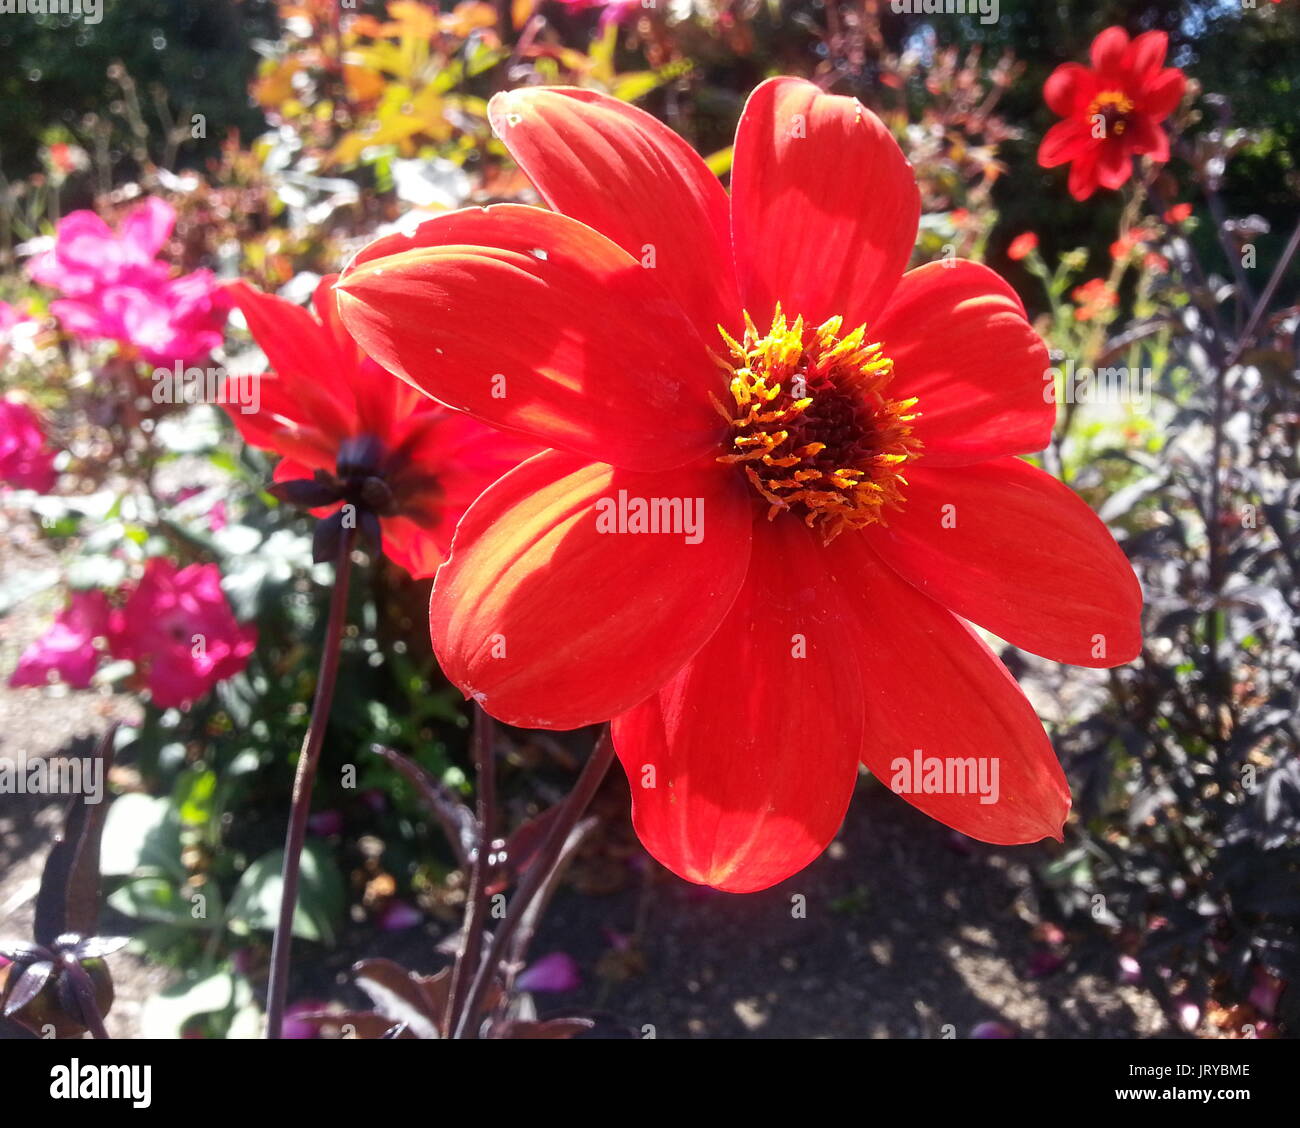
<point x="615" y="10"/>
<point x="26" y="461"/>
<point x="177" y="627"/>
<point x="295" y="1025"/>
<point x="398" y="915"/>
<point x="10" y="316"/>
<point x="67" y="649"/>
<point x="115" y="288"/>
<point x="552" y="973"/>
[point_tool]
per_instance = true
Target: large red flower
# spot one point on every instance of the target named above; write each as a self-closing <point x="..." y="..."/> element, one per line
<point x="1112" y="111"/>
<point x="349" y="432"/>
<point x="753" y="549"/>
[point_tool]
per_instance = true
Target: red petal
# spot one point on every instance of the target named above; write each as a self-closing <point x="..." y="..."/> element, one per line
<point x="741" y="767"/>
<point x="1010" y="548"/>
<point x="1114" y="165"/>
<point x="1083" y="173"/>
<point x="1068" y="89"/>
<point x="1147" y="53"/>
<point x="1108" y="49"/>
<point x="622" y="171"/>
<point x="300" y="352"/>
<point x="824" y="205"/>
<point x="1162" y="93"/>
<point x="549" y="622"/>
<point x="932" y="685"/>
<point x="960" y="343"/>
<point x="1145" y="136"/>
<point x="533" y="322"/>
<point x="450" y="460"/>
<point x="411" y="546"/>
<point x="1063" y="142"/>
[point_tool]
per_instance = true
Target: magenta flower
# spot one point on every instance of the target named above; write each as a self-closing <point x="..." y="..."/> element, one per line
<point x="615" y="10"/>
<point x="555" y="972"/>
<point x="67" y="650"/>
<point x="397" y="916"/>
<point x="115" y="288"/>
<point x="177" y="627"/>
<point x="26" y="460"/>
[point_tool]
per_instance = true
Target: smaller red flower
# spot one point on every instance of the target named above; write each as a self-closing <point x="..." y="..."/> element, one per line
<point x="1127" y="243"/>
<point x="352" y="433"/>
<point x="1093" y="299"/>
<point x="1112" y="110"/>
<point x="1022" y="246"/>
<point x="177" y="627"/>
<point x="1179" y="213"/>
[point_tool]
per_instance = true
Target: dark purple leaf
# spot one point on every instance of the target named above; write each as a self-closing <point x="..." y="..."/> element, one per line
<point x="404" y="997"/>
<point x="327" y="538"/>
<point x="305" y="493"/>
<point x="20" y="951"/>
<point x="26" y="985"/>
<point x="68" y="900"/>
<point x="97" y="947"/>
<point x="550" y="1028"/>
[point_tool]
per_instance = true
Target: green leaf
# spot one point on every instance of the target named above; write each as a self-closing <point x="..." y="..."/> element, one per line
<point x="256" y="901"/>
<point x="156" y="899"/>
<point x="193" y="796"/>
<point x="165" y="1014"/>
<point x="141" y="836"/>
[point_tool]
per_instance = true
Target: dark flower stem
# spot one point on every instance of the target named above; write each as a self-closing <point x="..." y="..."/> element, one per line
<point x="302" y="785"/>
<point x="535" y="879"/>
<point x="471" y="946"/>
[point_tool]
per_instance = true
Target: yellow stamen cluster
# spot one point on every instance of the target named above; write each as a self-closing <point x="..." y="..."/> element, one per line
<point x="1115" y="106"/>
<point x="812" y="426"/>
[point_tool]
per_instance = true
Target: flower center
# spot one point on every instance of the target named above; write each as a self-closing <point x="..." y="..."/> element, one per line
<point x="1114" y="107"/>
<point x="812" y="426"/>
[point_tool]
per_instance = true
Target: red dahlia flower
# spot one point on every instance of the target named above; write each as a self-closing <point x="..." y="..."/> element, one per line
<point x="783" y="476"/>
<point x="350" y="433"/>
<point x="1112" y="111"/>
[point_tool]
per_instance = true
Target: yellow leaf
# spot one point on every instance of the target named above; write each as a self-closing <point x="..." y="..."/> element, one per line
<point x="720" y="162"/>
<point x="521" y="12"/>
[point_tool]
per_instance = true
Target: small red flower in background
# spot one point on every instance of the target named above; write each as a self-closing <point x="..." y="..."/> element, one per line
<point x="1112" y="111"/>
<point x="1022" y="246"/>
<point x="1179" y="213"/>
<point x="177" y="627"/>
<point x="351" y="433"/>
<point x="1093" y="299"/>
<point x="1127" y="243"/>
<point x="847" y="444"/>
<point x="26" y="459"/>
